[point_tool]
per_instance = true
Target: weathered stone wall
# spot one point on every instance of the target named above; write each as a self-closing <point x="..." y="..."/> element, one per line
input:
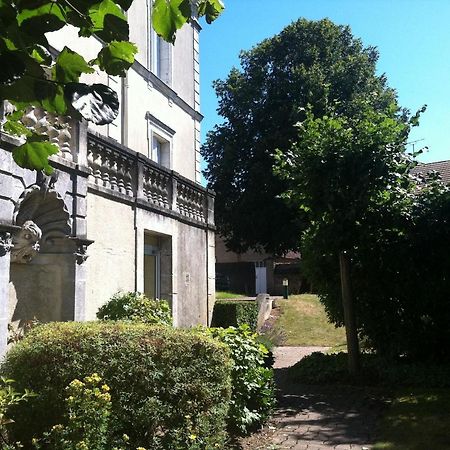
<point x="111" y="263"/>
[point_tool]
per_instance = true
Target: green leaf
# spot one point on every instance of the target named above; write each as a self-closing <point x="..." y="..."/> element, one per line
<point x="167" y="17"/>
<point x="117" y="57"/>
<point x="12" y="67"/>
<point x="16" y="128"/>
<point x="97" y="103"/>
<point x="48" y="17"/>
<point x="54" y="101"/>
<point x="109" y="22"/>
<point x="41" y="55"/>
<point x="70" y="65"/>
<point x="211" y="9"/>
<point x="7" y="15"/>
<point x="34" y="154"/>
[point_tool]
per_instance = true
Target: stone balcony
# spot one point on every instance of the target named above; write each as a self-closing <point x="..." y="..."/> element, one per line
<point x="120" y="172"/>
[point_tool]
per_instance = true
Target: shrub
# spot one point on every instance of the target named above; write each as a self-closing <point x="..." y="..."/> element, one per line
<point x="170" y="388"/>
<point x="88" y="408"/>
<point x="8" y="398"/>
<point x="319" y="368"/>
<point x="136" y="307"/>
<point x="233" y="313"/>
<point x="253" y="388"/>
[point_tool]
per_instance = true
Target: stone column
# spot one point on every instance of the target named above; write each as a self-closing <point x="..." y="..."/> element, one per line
<point x="81" y="256"/>
<point x="5" y="258"/>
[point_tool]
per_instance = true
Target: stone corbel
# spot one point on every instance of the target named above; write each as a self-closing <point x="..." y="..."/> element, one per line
<point x="81" y="249"/>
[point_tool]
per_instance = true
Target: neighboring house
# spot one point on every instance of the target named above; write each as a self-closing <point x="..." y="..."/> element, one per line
<point x="443" y="167"/>
<point x="125" y="210"/>
<point x="252" y="272"/>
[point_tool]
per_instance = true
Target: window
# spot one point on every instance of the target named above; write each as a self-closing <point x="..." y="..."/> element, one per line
<point x="160" y="138"/>
<point x="161" y="58"/>
<point x="160" y="150"/>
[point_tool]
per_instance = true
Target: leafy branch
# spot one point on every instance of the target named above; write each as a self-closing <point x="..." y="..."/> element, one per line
<point x="31" y="77"/>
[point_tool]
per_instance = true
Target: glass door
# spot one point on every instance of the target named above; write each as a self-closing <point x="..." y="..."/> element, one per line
<point x="151" y="270"/>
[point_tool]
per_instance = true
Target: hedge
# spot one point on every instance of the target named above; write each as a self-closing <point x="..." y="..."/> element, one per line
<point x="170" y="388"/>
<point x="233" y="313"/>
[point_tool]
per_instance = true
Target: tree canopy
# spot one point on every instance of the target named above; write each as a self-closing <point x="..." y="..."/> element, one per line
<point x="32" y="76"/>
<point x="311" y="66"/>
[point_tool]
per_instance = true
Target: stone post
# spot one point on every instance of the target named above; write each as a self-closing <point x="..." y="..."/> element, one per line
<point x="81" y="256"/>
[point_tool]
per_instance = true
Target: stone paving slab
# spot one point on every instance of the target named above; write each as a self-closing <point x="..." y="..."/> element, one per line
<point x="319" y="417"/>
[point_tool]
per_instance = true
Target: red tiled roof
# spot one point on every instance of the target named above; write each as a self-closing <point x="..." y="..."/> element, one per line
<point x="443" y="167"/>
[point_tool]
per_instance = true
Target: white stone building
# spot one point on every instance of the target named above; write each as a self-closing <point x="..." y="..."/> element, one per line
<point x="125" y="210"/>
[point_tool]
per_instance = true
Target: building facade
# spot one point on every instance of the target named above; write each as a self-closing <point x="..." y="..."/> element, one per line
<point x="124" y="209"/>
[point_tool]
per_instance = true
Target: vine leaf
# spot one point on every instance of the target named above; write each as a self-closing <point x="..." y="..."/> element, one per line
<point x="97" y="103"/>
<point x="168" y="17"/>
<point x="116" y="58"/>
<point x="70" y="65"/>
<point x="109" y="22"/>
<point x="12" y="67"/>
<point x="48" y="17"/>
<point x="34" y="154"/>
<point x="211" y="9"/>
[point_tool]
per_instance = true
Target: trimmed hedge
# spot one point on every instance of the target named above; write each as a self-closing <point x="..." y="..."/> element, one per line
<point x="170" y="388"/>
<point x="233" y="313"/>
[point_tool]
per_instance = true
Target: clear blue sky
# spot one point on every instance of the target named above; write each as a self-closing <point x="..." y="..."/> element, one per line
<point x="413" y="38"/>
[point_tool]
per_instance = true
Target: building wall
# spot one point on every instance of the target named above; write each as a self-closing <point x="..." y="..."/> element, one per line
<point x="111" y="262"/>
<point x="176" y="104"/>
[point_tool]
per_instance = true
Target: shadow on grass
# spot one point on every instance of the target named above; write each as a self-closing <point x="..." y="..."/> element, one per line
<point x="417" y="419"/>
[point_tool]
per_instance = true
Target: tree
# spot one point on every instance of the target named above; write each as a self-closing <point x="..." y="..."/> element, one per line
<point x="30" y="76"/>
<point x="314" y="66"/>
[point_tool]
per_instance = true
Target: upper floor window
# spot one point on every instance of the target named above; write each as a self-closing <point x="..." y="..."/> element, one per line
<point x="161" y="58"/>
<point x="160" y="138"/>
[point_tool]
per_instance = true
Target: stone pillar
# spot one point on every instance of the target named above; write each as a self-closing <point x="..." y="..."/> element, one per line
<point x="5" y="258"/>
<point x="81" y="256"/>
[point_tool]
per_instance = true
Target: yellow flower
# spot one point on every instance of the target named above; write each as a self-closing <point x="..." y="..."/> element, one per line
<point x="193" y="437"/>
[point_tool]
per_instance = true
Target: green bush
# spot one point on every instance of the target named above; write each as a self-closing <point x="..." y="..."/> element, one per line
<point x="253" y="387"/>
<point x="170" y="388"/>
<point x="136" y="307"/>
<point x="233" y="313"/>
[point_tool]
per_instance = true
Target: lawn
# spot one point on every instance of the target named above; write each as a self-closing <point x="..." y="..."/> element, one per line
<point x="304" y="322"/>
<point x="224" y="295"/>
<point x="418" y="419"/>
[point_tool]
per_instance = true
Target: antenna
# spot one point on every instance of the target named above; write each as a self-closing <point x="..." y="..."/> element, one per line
<point x="414" y="142"/>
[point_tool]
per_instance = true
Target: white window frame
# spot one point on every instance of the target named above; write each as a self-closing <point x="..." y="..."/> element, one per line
<point x="157" y="131"/>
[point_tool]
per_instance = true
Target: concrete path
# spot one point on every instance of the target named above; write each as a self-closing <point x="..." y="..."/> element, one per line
<point x="318" y="417"/>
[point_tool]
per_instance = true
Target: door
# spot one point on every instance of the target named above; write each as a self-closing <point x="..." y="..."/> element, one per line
<point x="151" y="271"/>
<point x="261" y="277"/>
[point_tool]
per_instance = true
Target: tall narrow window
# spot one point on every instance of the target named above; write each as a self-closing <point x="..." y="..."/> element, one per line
<point x="161" y="58"/>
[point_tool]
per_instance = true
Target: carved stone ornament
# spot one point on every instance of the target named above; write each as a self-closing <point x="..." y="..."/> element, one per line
<point x="5" y="242"/>
<point x="81" y="249"/>
<point x="26" y="243"/>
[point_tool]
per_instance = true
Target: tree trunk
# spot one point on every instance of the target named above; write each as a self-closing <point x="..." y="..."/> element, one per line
<point x="349" y="314"/>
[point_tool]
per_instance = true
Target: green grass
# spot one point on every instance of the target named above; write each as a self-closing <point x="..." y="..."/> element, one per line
<point x="223" y="295"/>
<point x="418" y="419"/>
<point x="304" y="322"/>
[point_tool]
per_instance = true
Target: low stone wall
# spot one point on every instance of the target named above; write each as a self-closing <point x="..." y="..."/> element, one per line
<point x="264" y="303"/>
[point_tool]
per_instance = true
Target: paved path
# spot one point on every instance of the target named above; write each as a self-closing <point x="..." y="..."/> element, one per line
<point x="319" y="417"/>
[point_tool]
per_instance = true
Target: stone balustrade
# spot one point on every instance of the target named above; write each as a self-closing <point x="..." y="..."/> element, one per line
<point x="57" y="128"/>
<point x="116" y="169"/>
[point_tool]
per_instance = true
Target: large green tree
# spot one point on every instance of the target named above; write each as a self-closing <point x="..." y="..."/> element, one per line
<point x="313" y="66"/>
<point x="31" y="76"/>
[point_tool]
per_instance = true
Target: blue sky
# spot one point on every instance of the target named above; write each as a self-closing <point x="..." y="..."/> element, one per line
<point x="413" y="38"/>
